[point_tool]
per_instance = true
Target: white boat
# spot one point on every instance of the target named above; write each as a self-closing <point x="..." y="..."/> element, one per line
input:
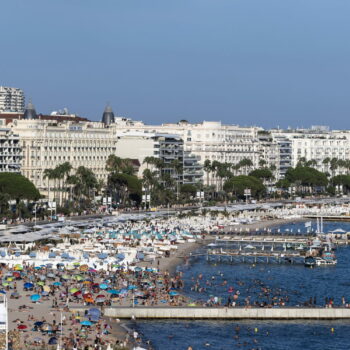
<point x="325" y="262"/>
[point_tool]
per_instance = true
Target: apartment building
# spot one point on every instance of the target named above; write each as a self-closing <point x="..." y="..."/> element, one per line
<point x="167" y="147"/>
<point x="10" y="151"/>
<point x="11" y="99"/>
<point x="317" y="144"/>
<point x="209" y="140"/>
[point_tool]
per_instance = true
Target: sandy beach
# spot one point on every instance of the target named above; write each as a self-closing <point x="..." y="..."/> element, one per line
<point x="59" y="302"/>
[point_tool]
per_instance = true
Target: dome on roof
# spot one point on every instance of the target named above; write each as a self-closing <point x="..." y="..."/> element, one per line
<point x="29" y="112"/>
<point x="108" y="116"/>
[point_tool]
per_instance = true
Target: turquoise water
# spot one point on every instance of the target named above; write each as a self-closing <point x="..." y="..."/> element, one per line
<point x="294" y="284"/>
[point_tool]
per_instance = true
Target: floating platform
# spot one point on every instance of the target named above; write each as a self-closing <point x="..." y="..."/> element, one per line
<point x="343" y="218"/>
<point x="254" y="257"/>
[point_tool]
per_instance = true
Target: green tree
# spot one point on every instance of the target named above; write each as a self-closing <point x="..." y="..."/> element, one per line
<point x="246" y="164"/>
<point x="311" y="163"/>
<point x="84" y="185"/>
<point x="238" y="184"/>
<point x="188" y="191"/>
<point x="207" y="168"/>
<point x="119" y="165"/>
<point x="18" y="188"/>
<point x="262" y="163"/>
<point x="333" y="165"/>
<point x="283" y="184"/>
<point x="264" y="174"/>
<point x="306" y="176"/>
<point x="48" y="175"/>
<point x="343" y="180"/>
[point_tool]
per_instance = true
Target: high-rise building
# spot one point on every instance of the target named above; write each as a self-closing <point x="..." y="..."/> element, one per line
<point x="10" y="152"/>
<point x="167" y="147"/>
<point x="11" y="99"/>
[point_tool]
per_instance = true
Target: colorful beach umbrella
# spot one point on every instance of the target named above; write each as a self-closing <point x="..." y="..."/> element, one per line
<point x="28" y="285"/>
<point x="35" y="297"/>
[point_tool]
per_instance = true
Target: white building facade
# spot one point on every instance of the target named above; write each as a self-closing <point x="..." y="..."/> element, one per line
<point x="11" y="99"/>
<point x="212" y="141"/>
<point x="46" y="144"/>
<point x="316" y="145"/>
<point x="166" y="147"/>
<point x="10" y="151"/>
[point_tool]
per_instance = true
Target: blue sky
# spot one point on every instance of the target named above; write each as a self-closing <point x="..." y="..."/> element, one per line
<point x="248" y="62"/>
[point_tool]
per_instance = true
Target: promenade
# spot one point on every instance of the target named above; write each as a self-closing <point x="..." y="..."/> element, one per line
<point x="236" y="313"/>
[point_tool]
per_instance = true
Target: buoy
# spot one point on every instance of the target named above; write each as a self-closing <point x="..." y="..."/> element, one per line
<point x="332" y="330"/>
<point x="255" y="330"/>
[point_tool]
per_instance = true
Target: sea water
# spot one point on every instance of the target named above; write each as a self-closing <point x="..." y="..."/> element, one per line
<point x="297" y="283"/>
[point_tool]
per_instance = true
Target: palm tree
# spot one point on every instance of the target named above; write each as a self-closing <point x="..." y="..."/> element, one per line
<point x="48" y="175"/>
<point x="326" y="162"/>
<point x="342" y="164"/>
<point x="178" y="170"/>
<point x="262" y="163"/>
<point x="85" y="184"/>
<point x="301" y="161"/>
<point x="113" y="163"/>
<point x="245" y="163"/>
<point x="215" y="165"/>
<point x="150" y="161"/>
<point x="347" y="166"/>
<point x="55" y="175"/>
<point x="333" y="165"/>
<point x="72" y="180"/>
<point x="311" y="163"/>
<point x="65" y="169"/>
<point x="207" y="168"/>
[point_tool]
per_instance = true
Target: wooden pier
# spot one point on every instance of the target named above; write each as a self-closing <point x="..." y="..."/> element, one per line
<point x="265" y="241"/>
<point x="343" y="218"/>
<point x="254" y="257"/>
<point x="273" y="240"/>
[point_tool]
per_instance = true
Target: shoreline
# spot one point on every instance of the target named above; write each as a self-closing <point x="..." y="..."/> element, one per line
<point x="184" y="250"/>
<point x="177" y="258"/>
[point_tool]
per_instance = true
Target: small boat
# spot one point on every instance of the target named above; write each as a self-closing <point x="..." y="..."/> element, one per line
<point x="327" y="259"/>
<point x="309" y="261"/>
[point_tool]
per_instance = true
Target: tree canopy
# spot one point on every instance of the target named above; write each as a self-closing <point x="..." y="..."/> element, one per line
<point x="343" y="180"/>
<point x="18" y="187"/>
<point x="262" y="173"/>
<point x="238" y="184"/>
<point x="306" y="176"/>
